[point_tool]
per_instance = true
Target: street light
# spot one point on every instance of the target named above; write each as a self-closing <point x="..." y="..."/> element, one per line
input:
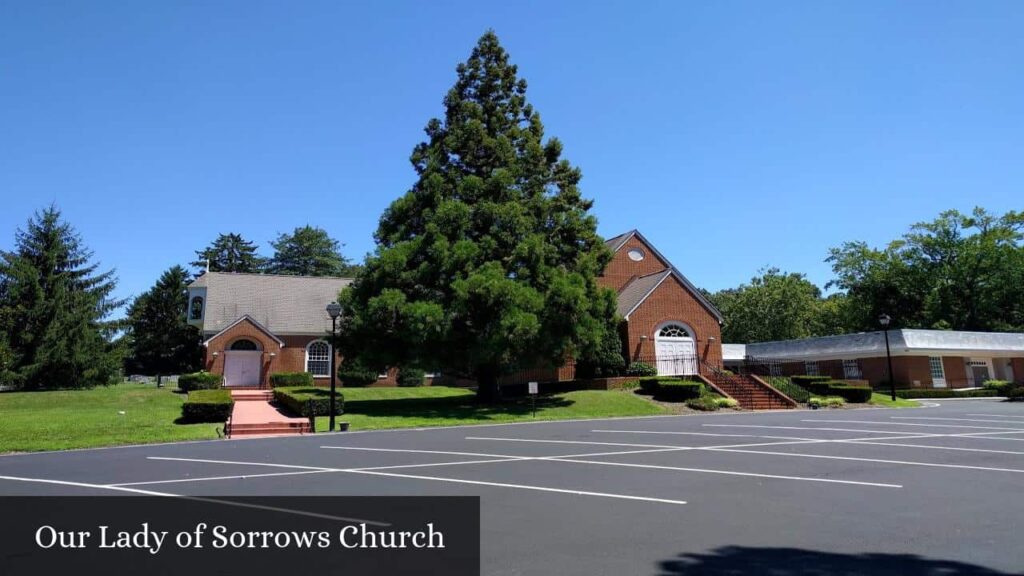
<point x="334" y="310"/>
<point x="885" y="320"/>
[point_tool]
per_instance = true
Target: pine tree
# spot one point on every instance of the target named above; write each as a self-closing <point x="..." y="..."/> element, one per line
<point x="488" y="263"/>
<point x="160" y="339"/>
<point x="229" y="253"/>
<point x="307" y="251"/>
<point x="55" y="306"/>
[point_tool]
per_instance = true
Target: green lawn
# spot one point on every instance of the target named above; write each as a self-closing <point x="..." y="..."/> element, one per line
<point x="886" y="400"/>
<point x="379" y="408"/>
<point x="35" y="421"/>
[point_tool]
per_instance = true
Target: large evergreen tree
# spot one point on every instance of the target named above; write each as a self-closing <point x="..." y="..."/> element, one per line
<point x="160" y="339"/>
<point x="229" y="253"/>
<point x="54" y="308"/>
<point x="307" y="251"/>
<point x="489" y="262"/>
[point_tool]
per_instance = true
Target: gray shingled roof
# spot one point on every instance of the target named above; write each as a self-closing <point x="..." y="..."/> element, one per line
<point x="636" y="291"/>
<point x="283" y="304"/>
<point x="616" y="242"/>
<point x="902" y="343"/>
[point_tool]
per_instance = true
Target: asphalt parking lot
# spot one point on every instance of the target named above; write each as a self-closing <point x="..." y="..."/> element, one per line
<point x="932" y="490"/>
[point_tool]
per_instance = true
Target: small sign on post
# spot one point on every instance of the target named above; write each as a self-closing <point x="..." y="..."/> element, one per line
<point x="531" y="389"/>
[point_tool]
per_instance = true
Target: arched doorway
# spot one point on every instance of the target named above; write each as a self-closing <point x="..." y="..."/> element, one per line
<point x="675" y="349"/>
<point x="242" y="363"/>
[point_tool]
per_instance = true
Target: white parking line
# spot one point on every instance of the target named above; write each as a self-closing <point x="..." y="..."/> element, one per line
<point x="873" y="442"/>
<point x="805" y="428"/>
<point x="537" y="441"/>
<point x="999" y="415"/>
<point x="702" y="434"/>
<point x="662" y="448"/>
<point x="878" y="460"/>
<point x="411" y="451"/>
<point x="913" y="424"/>
<point x="957" y="420"/>
<point x="194" y="498"/>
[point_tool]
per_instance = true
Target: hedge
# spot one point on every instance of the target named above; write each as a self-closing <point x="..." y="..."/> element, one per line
<point x="649" y="384"/>
<point x="1015" y="394"/>
<point x="207" y="406"/>
<point x="641" y="369"/>
<point x="942" y="393"/>
<point x="677" y="391"/>
<point x="805" y="380"/>
<point x="1000" y="386"/>
<point x="309" y="401"/>
<point x="353" y="374"/>
<point x="290" y="379"/>
<point x="826" y="402"/>
<point x="706" y="404"/>
<point x="411" y="377"/>
<point x="852" y="394"/>
<point x="200" y="381"/>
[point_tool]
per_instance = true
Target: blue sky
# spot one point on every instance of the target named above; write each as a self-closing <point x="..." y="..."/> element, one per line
<point x="735" y="135"/>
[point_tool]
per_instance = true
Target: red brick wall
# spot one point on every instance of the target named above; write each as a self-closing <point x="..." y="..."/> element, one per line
<point x="290" y="358"/>
<point x="1018" y="369"/>
<point x="621" y="268"/>
<point x="672" y="301"/>
<point x="955" y="369"/>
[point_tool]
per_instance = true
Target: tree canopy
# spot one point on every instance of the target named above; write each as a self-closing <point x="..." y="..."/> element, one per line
<point x="229" y="253"/>
<point x="160" y="339"/>
<point x="54" y="310"/>
<point x="308" y="251"/>
<point x="488" y="262"/>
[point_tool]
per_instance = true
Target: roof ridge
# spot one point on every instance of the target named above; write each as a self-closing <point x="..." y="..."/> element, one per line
<point x="271" y="275"/>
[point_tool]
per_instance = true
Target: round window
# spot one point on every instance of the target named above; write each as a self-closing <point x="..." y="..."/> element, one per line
<point x="635" y="254"/>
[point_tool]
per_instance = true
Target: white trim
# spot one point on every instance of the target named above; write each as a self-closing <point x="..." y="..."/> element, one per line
<point x="236" y="322"/>
<point x="330" y="353"/>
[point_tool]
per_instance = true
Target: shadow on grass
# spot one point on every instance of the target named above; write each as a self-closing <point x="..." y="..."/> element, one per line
<point x="456" y="408"/>
<point x="737" y="560"/>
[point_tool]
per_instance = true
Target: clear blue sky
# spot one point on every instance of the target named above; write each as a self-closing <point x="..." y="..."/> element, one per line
<point x="733" y="134"/>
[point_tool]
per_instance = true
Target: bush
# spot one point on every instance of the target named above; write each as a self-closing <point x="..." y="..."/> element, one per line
<point x="706" y="404"/>
<point x="726" y="402"/>
<point x="354" y="374"/>
<point x="852" y="394"/>
<point x="649" y="384"/>
<point x="292" y="379"/>
<point x="805" y="380"/>
<point x="783" y="385"/>
<point x="207" y="406"/>
<point x="943" y="393"/>
<point x="411" y="377"/>
<point x="1015" y="394"/>
<point x="309" y="401"/>
<point x="826" y="402"/>
<point x="678" y="390"/>
<point x="1002" y="387"/>
<point x="641" y="369"/>
<point x="200" y="381"/>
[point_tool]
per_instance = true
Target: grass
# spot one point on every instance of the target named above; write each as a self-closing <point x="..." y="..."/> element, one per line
<point x="57" y="420"/>
<point x="885" y="400"/>
<point x="380" y="408"/>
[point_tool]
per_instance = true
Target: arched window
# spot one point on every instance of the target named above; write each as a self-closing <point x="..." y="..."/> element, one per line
<point x="674" y="331"/>
<point x="318" y="358"/>
<point x="196" y="310"/>
<point x="244" y="345"/>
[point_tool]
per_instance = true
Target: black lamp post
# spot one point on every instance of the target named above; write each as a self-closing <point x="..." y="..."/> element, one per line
<point x="884" y="320"/>
<point x="334" y="310"/>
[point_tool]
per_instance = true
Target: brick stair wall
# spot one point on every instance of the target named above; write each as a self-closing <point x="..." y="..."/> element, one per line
<point x="751" y="392"/>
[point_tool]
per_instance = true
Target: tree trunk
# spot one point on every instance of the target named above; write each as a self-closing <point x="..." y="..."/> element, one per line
<point x="159" y="380"/>
<point x="488" y="390"/>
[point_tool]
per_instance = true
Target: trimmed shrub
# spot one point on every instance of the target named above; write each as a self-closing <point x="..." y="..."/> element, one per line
<point x="805" y="380"/>
<point x="819" y="388"/>
<point x="725" y="402"/>
<point x="706" y="404"/>
<point x="641" y="369"/>
<point x="782" y="384"/>
<point x="1002" y="387"/>
<point x="826" y="402"/>
<point x="309" y="401"/>
<point x="1015" y="394"/>
<point x="355" y="374"/>
<point x="207" y="406"/>
<point x="200" y="381"/>
<point x="411" y="377"/>
<point x="852" y="394"/>
<point x="649" y="385"/>
<point x="677" y="391"/>
<point x="943" y="393"/>
<point x="292" y="379"/>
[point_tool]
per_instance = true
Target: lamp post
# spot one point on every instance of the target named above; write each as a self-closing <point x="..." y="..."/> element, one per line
<point x="884" y="320"/>
<point x="334" y="310"/>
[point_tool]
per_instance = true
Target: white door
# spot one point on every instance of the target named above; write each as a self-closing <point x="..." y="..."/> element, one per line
<point x="242" y="367"/>
<point x="676" y="356"/>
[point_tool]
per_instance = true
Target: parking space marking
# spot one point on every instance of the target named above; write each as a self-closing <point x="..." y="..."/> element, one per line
<point x="664" y="448"/>
<point x="956" y="420"/>
<point x="701" y="434"/>
<point x="999" y="415"/>
<point x="872" y="442"/>
<point x="877" y="460"/>
<point x="884" y="423"/>
<point x="412" y="451"/>
<point x="808" y="427"/>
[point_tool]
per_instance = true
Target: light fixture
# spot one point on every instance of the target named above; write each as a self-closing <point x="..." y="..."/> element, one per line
<point x="334" y="310"/>
<point x="884" y="320"/>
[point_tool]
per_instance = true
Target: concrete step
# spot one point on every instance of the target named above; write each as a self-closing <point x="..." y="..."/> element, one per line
<point x="254" y="425"/>
<point x="270" y="430"/>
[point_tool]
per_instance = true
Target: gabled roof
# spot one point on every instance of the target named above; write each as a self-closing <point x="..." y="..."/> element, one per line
<point x="249" y="319"/>
<point x="617" y="242"/>
<point x="634" y="293"/>
<point x="284" y="305"/>
<point x="904" y="342"/>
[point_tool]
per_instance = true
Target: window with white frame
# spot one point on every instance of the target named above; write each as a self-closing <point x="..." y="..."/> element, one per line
<point x="318" y="358"/>
<point x="811" y="367"/>
<point x="937" y="370"/>
<point x="851" y="369"/>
